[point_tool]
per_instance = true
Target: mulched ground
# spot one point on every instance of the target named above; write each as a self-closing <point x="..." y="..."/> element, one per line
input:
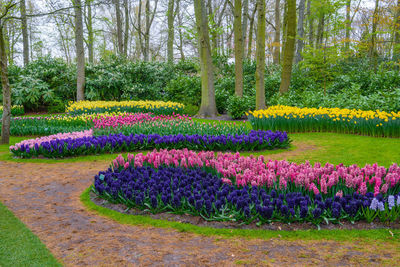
<point x="46" y="198"/>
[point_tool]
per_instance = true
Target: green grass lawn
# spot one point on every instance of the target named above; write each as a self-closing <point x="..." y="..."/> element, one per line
<point x="19" y="246"/>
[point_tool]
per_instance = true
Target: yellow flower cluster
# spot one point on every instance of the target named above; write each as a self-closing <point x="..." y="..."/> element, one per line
<point x="86" y="117"/>
<point x="112" y="105"/>
<point x="335" y="114"/>
<point x="13" y="107"/>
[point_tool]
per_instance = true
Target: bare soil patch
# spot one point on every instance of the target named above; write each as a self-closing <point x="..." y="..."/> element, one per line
<point x="46" y="198"/>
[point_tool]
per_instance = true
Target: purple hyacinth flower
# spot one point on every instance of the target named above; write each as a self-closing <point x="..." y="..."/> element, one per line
<point x="381" y="206"/>
<point x="374" y="204"/>
<point x="391" y="202"/>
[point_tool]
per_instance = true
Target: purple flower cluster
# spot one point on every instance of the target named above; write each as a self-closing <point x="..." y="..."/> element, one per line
<point x="194" y="191"/>
<point x="255" y="140"/>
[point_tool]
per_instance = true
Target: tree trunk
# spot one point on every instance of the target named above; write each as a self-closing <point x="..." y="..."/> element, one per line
<point x="89" y="26"/>
<point x="260" y="55"/>
<point x="126" y="33"/>
<point x="320" y="29"/>
<point x="5" y="126"/>
<point x="170" y="42"/>
<point x="289" y="47"/>
<point x="120" y="42"/>
<point x="141" y="45"/>
<point x="310" y="25"/>
<point x="214" y="36"/>
<point x="348" y="25"/>
<point x="300" y="30"/>
<point x="284" y="35"/>
<point x="277" y="36"/>
<point x="80" y="52"/>
<point x="208" y="107"/>
<point x="237" y="25"/>
<point x="396" y="47"/>
<point x="372" y="51"/>
<point x="244" y="26"/>
<point x="147" y="33"/>
<point x="250" y="42"/>
<point x="25" y="37"/>
<point x="180" y="30"/>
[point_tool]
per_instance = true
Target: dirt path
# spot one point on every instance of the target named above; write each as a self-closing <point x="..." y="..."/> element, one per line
<point x="46" y="198"/>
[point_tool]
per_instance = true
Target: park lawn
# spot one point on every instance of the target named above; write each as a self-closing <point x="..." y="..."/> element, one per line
<point x="19" y="246"/>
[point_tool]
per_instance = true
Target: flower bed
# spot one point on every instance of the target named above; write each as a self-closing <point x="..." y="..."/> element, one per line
<point x="255" y="140"/>
<point x="279" y="175"/>
<point x="293" y="119"/>
<point x="129" y="119"/>
<point x="37" y="142"/>
<point x="156" y="107"/>
<point x="199" y="184"/>
<point x="67" y="123"/>
<point x="184" y="126"/>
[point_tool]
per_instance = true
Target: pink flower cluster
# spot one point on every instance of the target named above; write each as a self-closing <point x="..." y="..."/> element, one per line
<point x="39" y="140"/>
<point x="133" y="118"/>
<point x="251" y="170"/>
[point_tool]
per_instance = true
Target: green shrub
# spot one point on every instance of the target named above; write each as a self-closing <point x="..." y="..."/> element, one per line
<point x="190" y="110"/>
<point x="33" y="94"/>
<point x="185" y="89"/>
<point x="57" y="107"/>
<point x="238" y="106"/>
<point x="221" y="102"/>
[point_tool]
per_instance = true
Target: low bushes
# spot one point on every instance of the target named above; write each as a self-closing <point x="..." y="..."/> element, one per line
<point x="293" y="119"/>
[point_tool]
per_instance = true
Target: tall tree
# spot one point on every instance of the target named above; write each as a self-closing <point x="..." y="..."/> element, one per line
<point x="372" y="49"/>
<point x="147" y="32"/>
<point x="300" y="31"/>
<point x="126" y="31"/>
<point x="277" y="37"/>
<point x="89" y="27"/>
<point x="310" y="19"/>
<point x="5" y="9"/>
<point x="25" y="37"/>
<point x="348" y="25"/>
<point x="396" y="47"/>
<point x="180" y="46"/>
<point x="321" y="26"/>
<point x="244" y="26"/>
<point x="237" y="25"/>
<point x="251" y="27"/>
<point x="288" y="52"/>
<point x="208" y="107"/>
<point x="170" y="42"/>
<point x="80" y="52"/>
<point x="139" y="29"/>
<point x="149" y="21"/>
<point x="260" y="55"/>
<point x="120" y="41"/>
